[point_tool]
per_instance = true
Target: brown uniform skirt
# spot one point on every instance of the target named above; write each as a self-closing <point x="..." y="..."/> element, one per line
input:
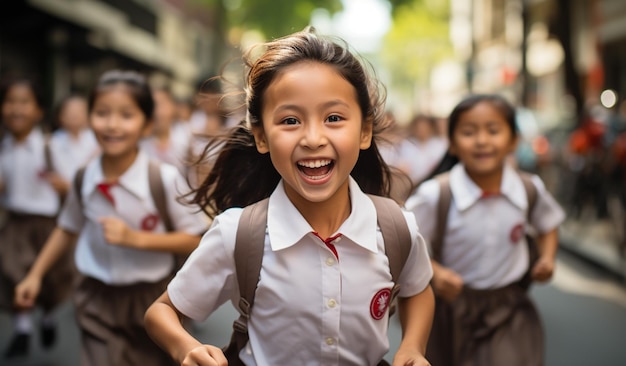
<point x="487" y="328"/>
<point x="111" y="322"/>
<point x="21" y="239"/>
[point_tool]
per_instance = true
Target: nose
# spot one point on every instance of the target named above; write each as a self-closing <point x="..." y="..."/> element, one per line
<point x="482" y="137"/>
<point x="314" y="136"/>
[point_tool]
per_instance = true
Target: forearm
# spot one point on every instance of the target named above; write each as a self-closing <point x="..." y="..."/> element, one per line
<point x="163" y="324"/>
<point x="416" y="316"/>
<point x="174" y="242"/>
<point x="548" y="244"/>
<point x="58" y="243"/>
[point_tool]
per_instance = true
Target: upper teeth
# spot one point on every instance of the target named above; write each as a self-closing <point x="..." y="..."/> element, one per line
<point x="314" y="163"/>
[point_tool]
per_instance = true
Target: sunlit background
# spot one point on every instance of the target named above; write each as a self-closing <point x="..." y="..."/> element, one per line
<point x="560" y="62"/>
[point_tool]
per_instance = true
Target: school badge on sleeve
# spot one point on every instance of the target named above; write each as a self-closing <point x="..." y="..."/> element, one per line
<point x="380" y="303"/>
<point x="149" y="222"/>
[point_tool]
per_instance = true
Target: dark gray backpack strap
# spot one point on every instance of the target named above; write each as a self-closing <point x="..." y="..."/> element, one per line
<point x="533" y="250"/>
<point x="47" y="151"/>
<point x="79" y="176"/>
<point x="157" y="191"/>
<point x="443" y="208"/>
<point x="396" y="234"/>
<point x="531" y="192"/>
<point x="249" y="247"/>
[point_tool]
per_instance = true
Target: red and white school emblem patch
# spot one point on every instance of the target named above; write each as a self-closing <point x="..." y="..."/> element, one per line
<point x="380" y="303"/>
<point x="149" y="222"/>
<point x="517" y="233"/>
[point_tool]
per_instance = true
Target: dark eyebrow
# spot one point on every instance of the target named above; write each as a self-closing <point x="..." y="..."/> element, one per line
<point x="330" y="103"/>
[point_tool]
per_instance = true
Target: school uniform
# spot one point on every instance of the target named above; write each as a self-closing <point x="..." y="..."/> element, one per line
<point x="72" y="153"/>
<point x="31" y="205"/>
<point x="119" y="283"/>
<point x="317" y="302"/>
<point x="485" y="243"/>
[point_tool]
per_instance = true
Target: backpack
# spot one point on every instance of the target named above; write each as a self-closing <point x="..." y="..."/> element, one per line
<point x="250" y="242"/>
<point x="443" y="207"/>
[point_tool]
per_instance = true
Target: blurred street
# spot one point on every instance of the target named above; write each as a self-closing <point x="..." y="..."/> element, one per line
<point x="583" y="309"/>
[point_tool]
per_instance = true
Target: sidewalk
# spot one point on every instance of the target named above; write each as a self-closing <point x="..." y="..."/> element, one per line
<point x="595" y="240"/>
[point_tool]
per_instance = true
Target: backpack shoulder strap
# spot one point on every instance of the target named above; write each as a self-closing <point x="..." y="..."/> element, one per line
<point x="79" y="176"/>
<point x="396" y="234"/>
<point x="249" y="247"/>
<point x="531" y="191"/>
<point x="157" y="191"/>
<point x="47" y="151"/>
<point x="443" y="207"/>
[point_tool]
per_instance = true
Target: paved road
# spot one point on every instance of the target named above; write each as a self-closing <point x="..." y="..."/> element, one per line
<point x="583" y="308"/>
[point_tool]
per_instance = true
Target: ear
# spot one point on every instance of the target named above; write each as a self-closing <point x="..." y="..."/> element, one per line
<point x="260" y="140"/>
<point x="366" y="135"/>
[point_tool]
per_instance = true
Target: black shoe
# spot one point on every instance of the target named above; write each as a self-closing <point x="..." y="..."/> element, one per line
<point x="48" y="335"/>
<point x="18" y="346"/>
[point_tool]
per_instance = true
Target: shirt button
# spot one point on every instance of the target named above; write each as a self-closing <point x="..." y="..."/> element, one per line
<point x="330" y="261"/>
<point x="332" y="303"/>
<point x="330" y="341"/>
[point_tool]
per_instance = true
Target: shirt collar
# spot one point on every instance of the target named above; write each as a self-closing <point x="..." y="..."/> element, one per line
<point x="34" y="140"/>
<point x="286" y="226"/>
<point x="134" y="179"/>
<point x="466" y="192"/>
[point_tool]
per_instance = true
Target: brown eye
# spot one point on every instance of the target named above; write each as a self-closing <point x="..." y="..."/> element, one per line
<point x="290" y="121"/>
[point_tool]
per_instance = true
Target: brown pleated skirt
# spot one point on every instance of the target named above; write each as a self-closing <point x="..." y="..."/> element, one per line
<point x="111" y="322"/>
<point x="487" y="328"/>
<point x="21" y="239"/>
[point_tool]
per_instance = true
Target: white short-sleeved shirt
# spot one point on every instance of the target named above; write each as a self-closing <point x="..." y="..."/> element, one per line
<point x="311" y="307"/>
<point x="131" y="202"/>
<point x="484" y="240"/>
<point x="69" y="154"/>
<point x="22" y="169"/>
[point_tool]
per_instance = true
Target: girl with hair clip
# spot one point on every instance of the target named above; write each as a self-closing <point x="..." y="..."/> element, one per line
<point x="481" y="257"/>
<point x="31" y="197"/>
<point x="309" y="145"/>
<point x="124" y="248"/>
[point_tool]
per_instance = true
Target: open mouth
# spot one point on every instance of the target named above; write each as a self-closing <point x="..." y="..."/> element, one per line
<point x="316" y="169"/>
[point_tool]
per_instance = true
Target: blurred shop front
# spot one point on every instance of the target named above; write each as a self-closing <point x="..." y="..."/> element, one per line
<point x="67" y="44"/>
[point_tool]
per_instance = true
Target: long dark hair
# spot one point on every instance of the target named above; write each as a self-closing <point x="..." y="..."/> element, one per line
<point x="241" y="175"/>
<point x="497" y="101"/>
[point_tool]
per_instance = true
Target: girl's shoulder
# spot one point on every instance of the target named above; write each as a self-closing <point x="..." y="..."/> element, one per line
<point x="427" y="193"/>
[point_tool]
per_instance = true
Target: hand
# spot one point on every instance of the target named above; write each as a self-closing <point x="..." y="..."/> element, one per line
<point x="26" y="292"/>
<point x="447" y="284"/>
<point x="59" y="184"/>
<point x="205" y="355"/>
<point x="117" y="232"/>
<point x="543" y="269"/>
<point x="409" y="358"/>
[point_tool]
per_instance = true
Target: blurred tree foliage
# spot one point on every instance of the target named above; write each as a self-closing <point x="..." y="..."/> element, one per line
<point x="417" y="41"/>
<point x="272" y="18"/>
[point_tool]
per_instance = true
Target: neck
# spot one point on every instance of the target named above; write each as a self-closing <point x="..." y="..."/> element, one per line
<point x="21" y="136"/>
<point x="325" y="217"/>
<point x="114" y="166"/>
<point x="488" y="182"/>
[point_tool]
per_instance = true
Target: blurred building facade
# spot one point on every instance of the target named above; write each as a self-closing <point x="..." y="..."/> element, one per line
<point x="553" y="56"/>
<point x="67" y="44"/>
